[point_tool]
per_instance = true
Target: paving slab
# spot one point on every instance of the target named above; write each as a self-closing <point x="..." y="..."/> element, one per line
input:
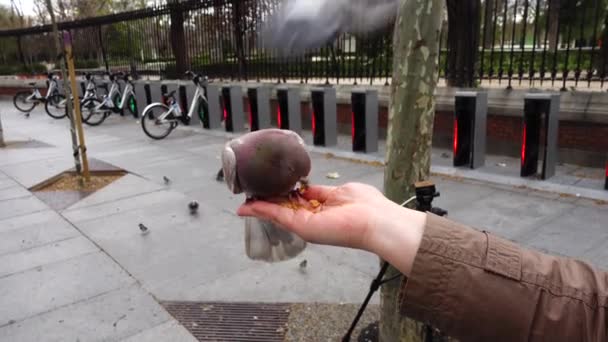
<point x="34" y="172"/>
<point x="509" y="214"/>
<point x="6" y="182"/>
<point x="123" y="205"/>
<point x="162" y="270"/>
<point x="40" y="290"/>
<point x="109" y="316"/>
<point x="45" y="254"/>
<point x="168" y="331"/>
<point x="20" y="206"/>
<point x="568" y="236"/>
<point x="34" y="235"/>
<point x="15" y="222"/>
<point x="13" y="192"/>
<point x="323" y="280"/>
<point x="127" y="186"/>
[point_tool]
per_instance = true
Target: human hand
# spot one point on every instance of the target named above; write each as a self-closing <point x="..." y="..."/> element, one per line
<point x="352" y="215"/>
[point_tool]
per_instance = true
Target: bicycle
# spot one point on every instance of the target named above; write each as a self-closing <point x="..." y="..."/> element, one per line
<point x="90" y="90"/>
<point x="95" y="111"/>
<point x="159" y="119"/>
<point x="26" y="101"/>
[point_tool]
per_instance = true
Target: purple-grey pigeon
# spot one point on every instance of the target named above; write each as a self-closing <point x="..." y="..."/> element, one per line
<point x="268" y="165"/>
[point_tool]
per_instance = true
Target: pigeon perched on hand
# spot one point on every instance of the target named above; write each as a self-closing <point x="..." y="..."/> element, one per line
<point x="309" y="24"/>
<point x="268" y="165"/>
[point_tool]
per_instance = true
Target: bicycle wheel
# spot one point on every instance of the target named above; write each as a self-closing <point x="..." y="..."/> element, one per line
<point x="203" y="113"/>
<point x="152" y="126"/>
<point x="90" y="115"/>
<point x="55" y="106"/>
<point x="116" y="102"/>
<point x="132" y="105"/>
<point x="21" y="103"/>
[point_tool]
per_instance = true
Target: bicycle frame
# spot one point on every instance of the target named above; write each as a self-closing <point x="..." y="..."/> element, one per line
<point x="199" y="95"/>
<point x="175" y="108"/>
<point x="107" y="102"/>
<point x="37" y="97"/>
<point x="90" y="90"/>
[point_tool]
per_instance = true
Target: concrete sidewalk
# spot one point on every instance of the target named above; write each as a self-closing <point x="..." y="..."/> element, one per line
<point x="87" y="273"/>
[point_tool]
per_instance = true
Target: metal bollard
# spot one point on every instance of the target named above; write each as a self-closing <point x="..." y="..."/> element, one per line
<point x="232" y="99"/>
<point x="364" y="120"/>
<point x="289" y="114"/>
<point x="259" y="108"/>
<point x="155" y="92"/>
<point x="540" y="114"/>
<point x="140" y="96"/>
<point x="324" y="116"/>
<point x="214" y="119"/>
<point x="469" y="138"/>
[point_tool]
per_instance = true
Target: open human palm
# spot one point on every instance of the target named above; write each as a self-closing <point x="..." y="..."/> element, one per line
<point x="345" y="217"/>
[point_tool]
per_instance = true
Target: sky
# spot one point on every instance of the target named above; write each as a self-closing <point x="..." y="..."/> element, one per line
<point x="26" y="5"/>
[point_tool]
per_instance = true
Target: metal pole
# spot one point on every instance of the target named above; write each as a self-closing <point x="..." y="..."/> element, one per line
<point x="68" y="92"/>
<point x="78" y="117"/>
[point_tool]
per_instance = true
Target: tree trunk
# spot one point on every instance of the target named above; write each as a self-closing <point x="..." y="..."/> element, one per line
<point x="238" y="24"/>
<point x="411" y="113"/>
<point x="463" y="41"/>
<point x="178" y="40"/>
<point x="554" y="9"/>
<point x="488" y="25"/>
<point x="601" y="62"/>
<point x="59" y="50"/>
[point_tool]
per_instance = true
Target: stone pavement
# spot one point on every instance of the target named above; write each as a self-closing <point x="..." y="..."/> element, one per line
<point x="86" y="273"/>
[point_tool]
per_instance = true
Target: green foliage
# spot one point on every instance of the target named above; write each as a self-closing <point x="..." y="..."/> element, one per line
<point x="7" y="69"/>
<point x="35" y="68"/>
<point x="86" y="64"/>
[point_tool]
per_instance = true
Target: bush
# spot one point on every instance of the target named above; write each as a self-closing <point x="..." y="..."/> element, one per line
<point x="86" y="64"/>
<point x="7" y="69"/>
<point x="35" y="68"/>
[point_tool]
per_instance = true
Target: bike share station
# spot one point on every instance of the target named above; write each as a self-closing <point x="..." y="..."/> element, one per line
<point x="142" y="96"/>
<point x="541" y="120"/>
<point x="364" y="118"/>
<point x="259" y="108"/>
<point x="289" y="113"/>
<point x="469" y="131"/>
<point x="232" y="101"/>
<point x="324" y="116"/>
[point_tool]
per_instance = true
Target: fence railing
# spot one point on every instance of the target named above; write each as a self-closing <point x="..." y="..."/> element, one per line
<point x="559" y="43"/>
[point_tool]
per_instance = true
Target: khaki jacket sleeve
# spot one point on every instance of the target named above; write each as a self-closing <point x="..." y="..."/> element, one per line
<point x="475" y="286"/>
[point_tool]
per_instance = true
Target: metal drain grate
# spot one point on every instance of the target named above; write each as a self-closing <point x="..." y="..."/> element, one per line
<point x="215" y="321"/>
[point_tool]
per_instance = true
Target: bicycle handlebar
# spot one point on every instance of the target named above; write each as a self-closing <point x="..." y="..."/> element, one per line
<point x="196" y="78"/>
<point x="113" y="76"/>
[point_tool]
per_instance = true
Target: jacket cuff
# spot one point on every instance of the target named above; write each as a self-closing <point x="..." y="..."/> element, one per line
<point x="425" y="294"/>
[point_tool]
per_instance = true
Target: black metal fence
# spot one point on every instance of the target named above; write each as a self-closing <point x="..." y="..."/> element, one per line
<point x="561" y="42"/>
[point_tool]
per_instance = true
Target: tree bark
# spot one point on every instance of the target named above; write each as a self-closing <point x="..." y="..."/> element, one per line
<point x="178" y="39"/>
<point x="411" y="114"/>
<point x="238" y="24"/>
<point x="488" y="25"/>
<point x="463" y="41"/>
<point x="554" y="10"/>
<point x="60" y="51"/>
